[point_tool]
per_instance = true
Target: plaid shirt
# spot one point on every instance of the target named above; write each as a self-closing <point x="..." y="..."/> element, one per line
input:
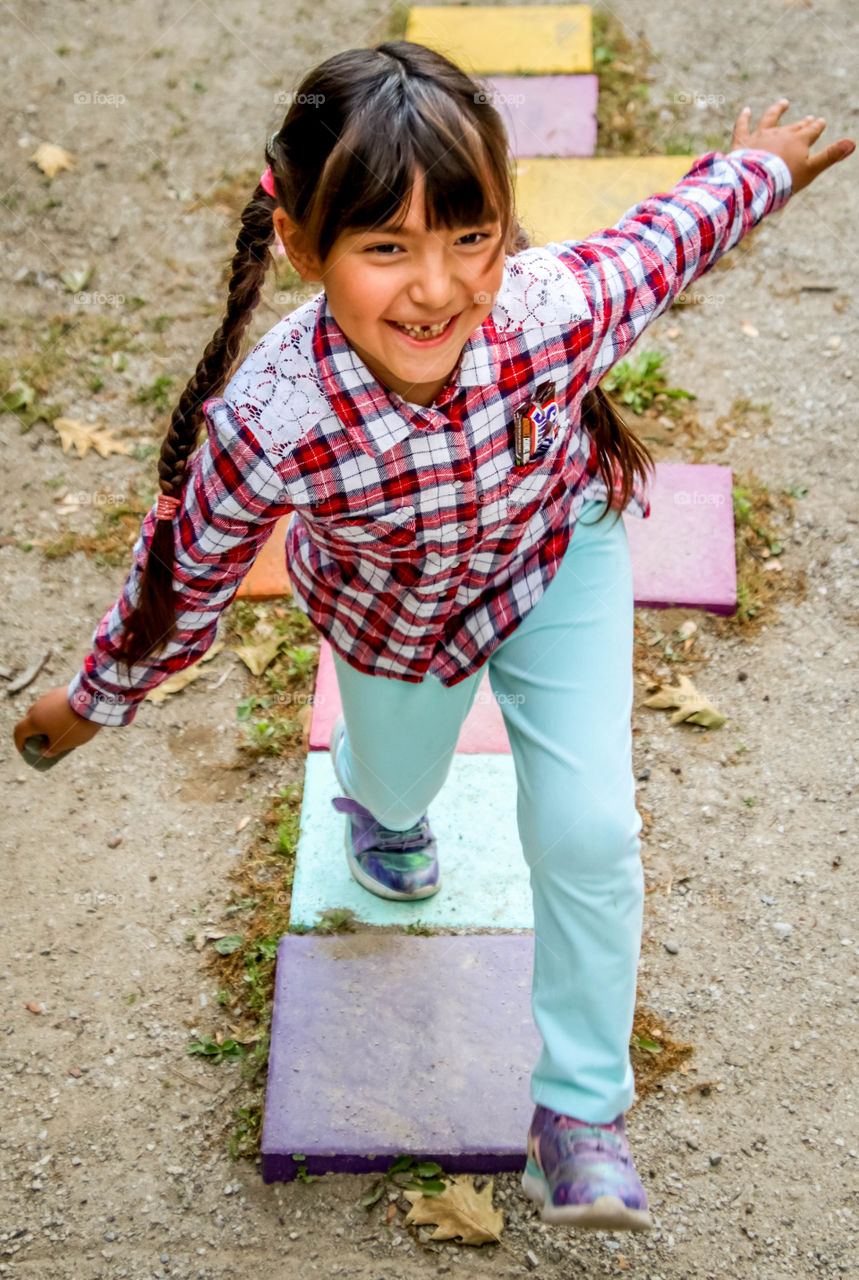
<point x="415" y="544"/>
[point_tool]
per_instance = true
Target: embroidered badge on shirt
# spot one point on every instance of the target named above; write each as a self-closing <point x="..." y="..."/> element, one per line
<point x="535" y="425"/>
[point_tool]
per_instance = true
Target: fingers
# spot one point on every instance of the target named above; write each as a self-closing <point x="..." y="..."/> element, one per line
<point x="773" y="114"/>
<point x="741" y="129"/>
<point x="830" y="155"/>
<point x="21" y="732"/>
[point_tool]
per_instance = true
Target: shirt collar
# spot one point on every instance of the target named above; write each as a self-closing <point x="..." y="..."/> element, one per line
<point x="378" y="418"/>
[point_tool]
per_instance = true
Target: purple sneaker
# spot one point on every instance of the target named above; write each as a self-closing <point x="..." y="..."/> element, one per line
<point x="392" y="864"/>
<point x="583" y="1175"/>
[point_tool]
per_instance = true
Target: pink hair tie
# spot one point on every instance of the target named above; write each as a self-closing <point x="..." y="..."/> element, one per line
<point x="267" y="182"/>
<point x="165" y="507"/>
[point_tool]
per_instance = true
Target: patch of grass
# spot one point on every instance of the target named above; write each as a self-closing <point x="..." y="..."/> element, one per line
<point x="156" y="394"/>
<point x="640" y="383"/>
<point x="760" y="520"/>
<point x="626" y="121"/>
<point x="116" y="532"/>
<point x="407" y="1174"/>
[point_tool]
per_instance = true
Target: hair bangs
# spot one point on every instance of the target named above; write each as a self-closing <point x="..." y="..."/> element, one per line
<point x="369" y="177"/>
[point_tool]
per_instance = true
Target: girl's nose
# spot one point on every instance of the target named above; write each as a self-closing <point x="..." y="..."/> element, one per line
<point x="433" y="288"/>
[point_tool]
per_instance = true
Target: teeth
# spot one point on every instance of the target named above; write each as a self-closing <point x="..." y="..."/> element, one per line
<point x="431" y="331"/>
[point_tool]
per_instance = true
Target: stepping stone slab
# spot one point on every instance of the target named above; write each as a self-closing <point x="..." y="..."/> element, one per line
<point x="511" y="39"/>
<point x="384" y="1045"/>
<point x="547" y="115"/>
<point x="683" y="554"/>
<point x="570" y="199"/>
<point x="485" y="879"/>
<point x="267" y="578"/>
<point x="482" y="730"/>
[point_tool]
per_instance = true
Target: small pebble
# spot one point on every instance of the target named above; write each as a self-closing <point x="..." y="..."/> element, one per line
<point x="671" y="947"/>
<point x="782" y="928"/>
<point x="533" y="1260"/>
<point x="114" y="840"/>
<point x="715" y="1160"/>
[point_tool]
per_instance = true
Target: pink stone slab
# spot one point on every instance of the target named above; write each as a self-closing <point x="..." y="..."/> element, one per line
<point x="482" y="730"/>
<point x="385" y="1045"/>
<point x="683" y="553"/>
<point x="682" y="556"/>
<point x="547" y="115"/>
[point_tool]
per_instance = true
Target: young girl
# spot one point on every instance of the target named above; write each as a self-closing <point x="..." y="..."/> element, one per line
<point x="434" y="421"/>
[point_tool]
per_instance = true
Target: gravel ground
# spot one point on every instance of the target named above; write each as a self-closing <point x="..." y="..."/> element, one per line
<point x="113" y="1140"/>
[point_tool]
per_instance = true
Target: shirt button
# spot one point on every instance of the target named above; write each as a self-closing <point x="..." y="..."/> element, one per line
<point x="462" y="528"/>
<point x="459" y="484"/>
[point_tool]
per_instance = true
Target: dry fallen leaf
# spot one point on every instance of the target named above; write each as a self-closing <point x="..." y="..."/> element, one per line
<point x="51" y="159"/>
<point x="178" y="681"/>
<point x="305" y="717"/>
<point x="84" y="434"/>
<point x="258" y="656"/>
<point x="458" y="1211"/>
<point x="244" y="1035"/>
<point x="693" y="706"/>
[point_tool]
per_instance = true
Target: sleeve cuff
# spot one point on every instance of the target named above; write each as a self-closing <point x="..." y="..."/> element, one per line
<point x="102" y="708"/>
<point x="775" y="166"/>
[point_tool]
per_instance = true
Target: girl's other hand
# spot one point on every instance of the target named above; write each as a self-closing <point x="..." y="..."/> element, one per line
<point x="53" y="716"/>
<point x="791" y="141"/>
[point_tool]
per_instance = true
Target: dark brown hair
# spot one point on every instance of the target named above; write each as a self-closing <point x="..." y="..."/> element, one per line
<point x="359" y="127"/>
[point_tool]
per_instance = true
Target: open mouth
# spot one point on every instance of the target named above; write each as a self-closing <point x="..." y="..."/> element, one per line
<point x="424" y="336"/>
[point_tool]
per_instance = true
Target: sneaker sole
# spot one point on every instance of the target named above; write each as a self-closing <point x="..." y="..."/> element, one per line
<point x="607" y="1213"/>
<point x="367" y="882"/>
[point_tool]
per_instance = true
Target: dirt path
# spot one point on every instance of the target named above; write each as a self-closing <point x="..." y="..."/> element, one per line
<point x="113" y="1139"/>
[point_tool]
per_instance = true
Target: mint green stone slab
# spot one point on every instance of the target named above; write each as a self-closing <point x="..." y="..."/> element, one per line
<point x="485" y="882"/>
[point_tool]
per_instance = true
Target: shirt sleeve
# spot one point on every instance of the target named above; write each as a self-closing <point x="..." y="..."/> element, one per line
<point x="633" y="271"/>
<point x="230" y="503"/>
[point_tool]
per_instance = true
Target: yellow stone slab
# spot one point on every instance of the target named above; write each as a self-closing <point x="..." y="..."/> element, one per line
<point x="571" y="199"/>
<point x="509" y="39"/>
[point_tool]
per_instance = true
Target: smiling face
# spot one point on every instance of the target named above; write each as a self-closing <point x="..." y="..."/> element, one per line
<point x="377" y="281"/>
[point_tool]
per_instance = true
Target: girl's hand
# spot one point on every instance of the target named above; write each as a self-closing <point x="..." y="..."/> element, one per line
<point x="53" y="716"/>
<point x="791" y="141"/>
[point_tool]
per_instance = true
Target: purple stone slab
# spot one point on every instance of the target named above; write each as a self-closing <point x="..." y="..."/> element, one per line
<point x="482" y="730"/>
<point x="547" y="115"/>
<point x="683" y="553"/>
<point x="385" y="1045"/>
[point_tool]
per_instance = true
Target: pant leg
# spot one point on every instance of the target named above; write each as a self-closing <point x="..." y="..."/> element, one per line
<point x="400" y="740"/>
<point x="564" y="681"/>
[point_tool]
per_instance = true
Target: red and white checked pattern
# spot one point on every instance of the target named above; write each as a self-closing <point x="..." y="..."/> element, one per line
<point x="416" y="547"/>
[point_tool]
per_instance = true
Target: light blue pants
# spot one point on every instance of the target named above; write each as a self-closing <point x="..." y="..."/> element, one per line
<point x="570" y="660"/>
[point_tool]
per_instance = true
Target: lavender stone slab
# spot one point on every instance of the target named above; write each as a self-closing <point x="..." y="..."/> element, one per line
<point x="547" y="115"/>
<point x="385" y="1045"/>
<point x="482" y="730"/>
<point x="683" y="553"/>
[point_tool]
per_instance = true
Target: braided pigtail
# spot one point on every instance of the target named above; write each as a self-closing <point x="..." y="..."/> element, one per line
<point x="616" y="447"/>
<point x="152" y="622"/>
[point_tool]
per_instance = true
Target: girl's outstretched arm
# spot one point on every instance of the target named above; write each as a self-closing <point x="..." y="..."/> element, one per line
<point x="631" y="272"/>
<point x="231" y="502"/>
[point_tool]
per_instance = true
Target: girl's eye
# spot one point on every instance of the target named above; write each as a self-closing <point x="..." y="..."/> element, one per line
<point x="482" y="235"/>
